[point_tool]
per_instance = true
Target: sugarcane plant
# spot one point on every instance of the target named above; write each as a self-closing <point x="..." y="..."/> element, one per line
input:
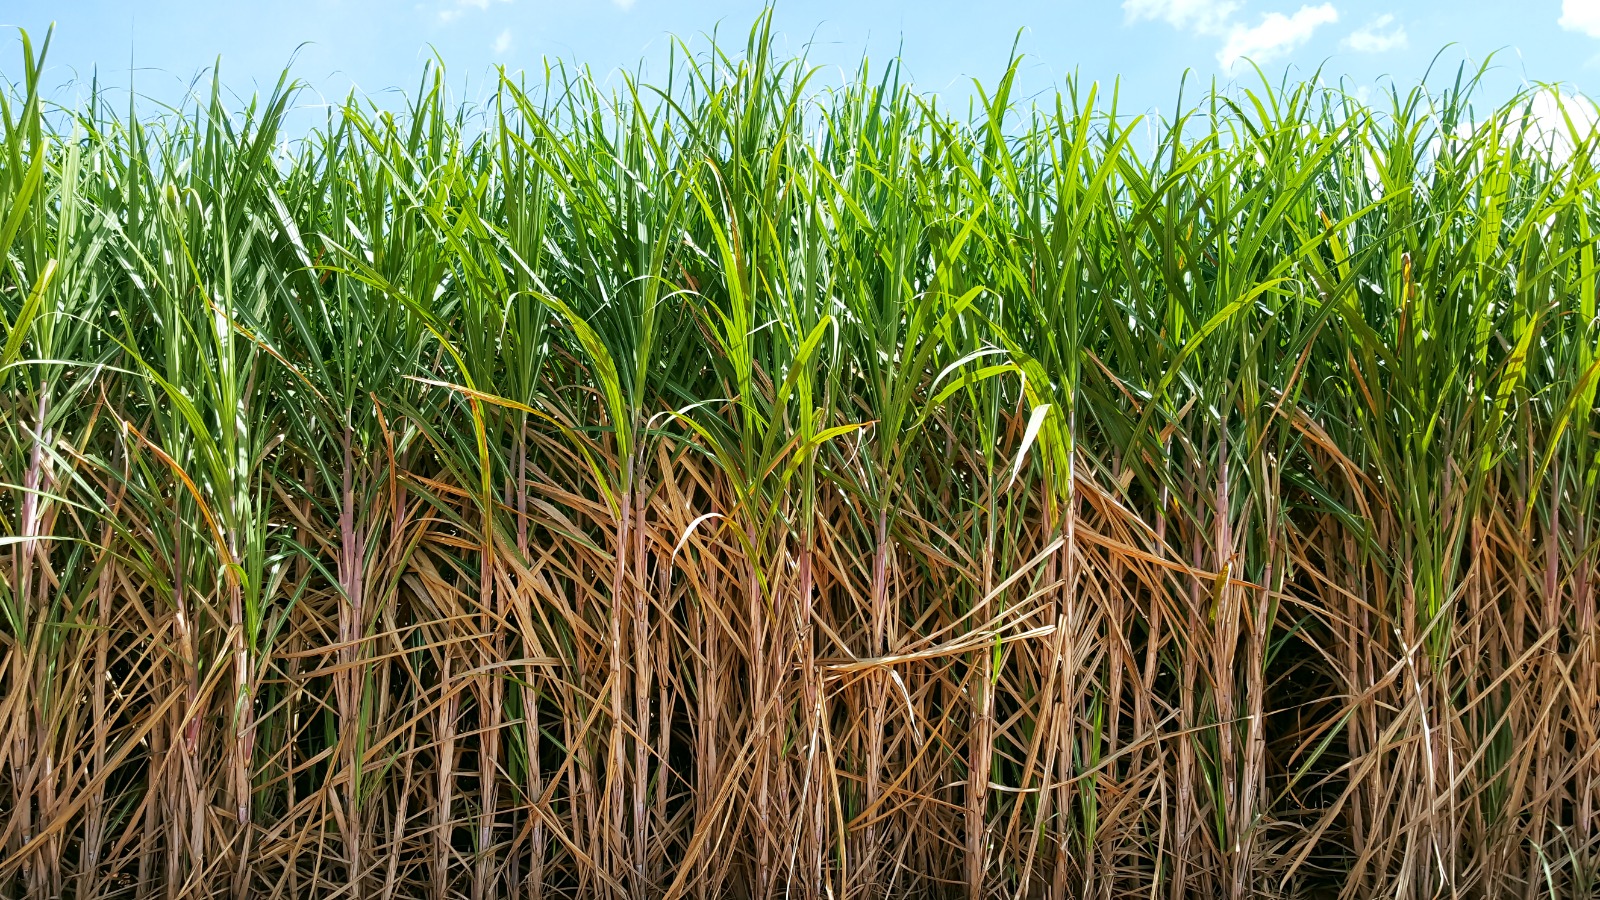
<point x="765" y="481"/>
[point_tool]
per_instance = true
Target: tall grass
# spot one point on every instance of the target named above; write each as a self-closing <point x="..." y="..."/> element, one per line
<point x="750" y="487"/>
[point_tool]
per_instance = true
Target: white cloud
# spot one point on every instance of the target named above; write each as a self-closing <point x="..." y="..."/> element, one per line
<point x="502" y="43"/>
<point x="1377" y="37"/>
<point x="1581" y="15"/>
<point x="454" y="11"/>
<point x="1559" y="122"/>
<point x="1276" y="35"/>
<point x="1201" y="16"/>
<point x="1550" y="122"/>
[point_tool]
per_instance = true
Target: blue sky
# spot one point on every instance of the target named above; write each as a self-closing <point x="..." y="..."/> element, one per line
<point x="374" y="45"/>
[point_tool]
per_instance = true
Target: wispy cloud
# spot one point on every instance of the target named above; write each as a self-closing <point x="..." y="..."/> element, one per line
<point x="1582" y="16"/>
<point x="1200" y="16"/>
<point x="458" y="8"/>
<point x="1276" y="35"/>
<point x="1377" y="36"/>
<point x="502" y="43"/>
<point x="454" y="9"/>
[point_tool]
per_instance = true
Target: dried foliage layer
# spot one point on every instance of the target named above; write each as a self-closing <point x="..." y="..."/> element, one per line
<point x="753" y="489"/>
